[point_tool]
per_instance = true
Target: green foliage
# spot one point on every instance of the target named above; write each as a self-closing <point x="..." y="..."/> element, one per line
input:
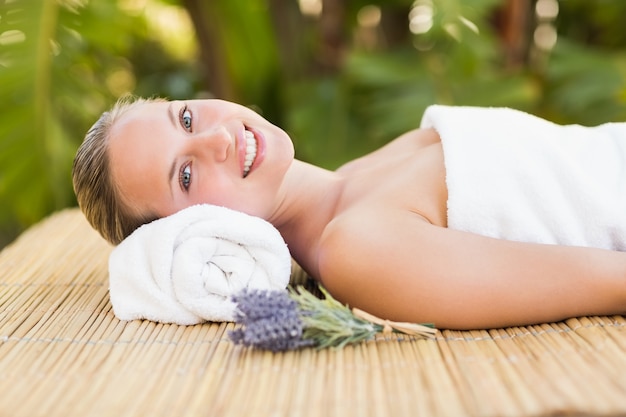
<point x="598" y="23"/>
<point x="61" y="65"/>
<point x="51" y="89"/>
<point x="585" y="86"/>
<point x="245" y="32"/>
<point x="382" y="93"/>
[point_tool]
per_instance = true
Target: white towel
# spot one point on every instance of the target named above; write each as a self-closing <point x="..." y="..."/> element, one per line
<point x="183" y="268"/>
<point x="515" y="176"/>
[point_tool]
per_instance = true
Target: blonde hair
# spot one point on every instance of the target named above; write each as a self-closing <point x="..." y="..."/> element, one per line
<point x="97" y="195"/>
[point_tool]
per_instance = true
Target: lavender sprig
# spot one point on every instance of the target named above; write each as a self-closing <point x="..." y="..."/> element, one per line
<point x="329" y="323"/>
<point x="287" y="320"/>
<point x="270" y="320"/>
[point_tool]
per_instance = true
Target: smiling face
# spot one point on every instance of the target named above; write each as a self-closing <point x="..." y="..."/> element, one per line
<point x="166" y="156"/>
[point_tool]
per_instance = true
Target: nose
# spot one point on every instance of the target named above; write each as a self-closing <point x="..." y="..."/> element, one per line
<point x="214" y="142"/>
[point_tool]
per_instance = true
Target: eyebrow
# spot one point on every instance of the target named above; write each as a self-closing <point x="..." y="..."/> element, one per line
<point x="170" y="114"/>
<point x="172" y="172"/>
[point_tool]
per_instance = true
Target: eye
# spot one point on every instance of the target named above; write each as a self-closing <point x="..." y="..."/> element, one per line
<point x="184" y="178"/>
<point x="185" y="118"/>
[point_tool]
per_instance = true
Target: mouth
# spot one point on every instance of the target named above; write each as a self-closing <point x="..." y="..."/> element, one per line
<point x="251" y="152"/>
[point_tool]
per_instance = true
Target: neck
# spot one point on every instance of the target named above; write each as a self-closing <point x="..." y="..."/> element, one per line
<point x="311" y="195"/>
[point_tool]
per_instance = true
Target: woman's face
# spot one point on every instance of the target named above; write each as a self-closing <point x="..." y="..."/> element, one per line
<point x="166" y="156"/>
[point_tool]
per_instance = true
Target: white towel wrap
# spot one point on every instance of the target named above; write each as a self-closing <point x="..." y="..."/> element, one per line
<point x="515" y="176"/>
<point x="183" y="268"/>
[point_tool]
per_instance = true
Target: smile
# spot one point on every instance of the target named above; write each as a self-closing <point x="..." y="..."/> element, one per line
<point x="251" y="151"/>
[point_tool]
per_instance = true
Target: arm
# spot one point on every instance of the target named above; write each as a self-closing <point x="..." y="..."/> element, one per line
<point x="401" y="267"/>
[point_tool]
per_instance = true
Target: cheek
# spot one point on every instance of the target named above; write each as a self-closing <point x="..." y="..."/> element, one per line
<point x="235" y="197"/>
<point x="217" y="191"/>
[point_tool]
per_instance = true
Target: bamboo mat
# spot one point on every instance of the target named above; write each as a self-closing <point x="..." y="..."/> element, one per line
<point x="63" y="353"/>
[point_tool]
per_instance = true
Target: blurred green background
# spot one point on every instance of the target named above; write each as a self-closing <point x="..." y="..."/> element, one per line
<point x="342" y="77"/>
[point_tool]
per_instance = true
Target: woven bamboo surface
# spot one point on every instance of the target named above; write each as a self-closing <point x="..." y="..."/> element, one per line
<point x="63" y="353"/>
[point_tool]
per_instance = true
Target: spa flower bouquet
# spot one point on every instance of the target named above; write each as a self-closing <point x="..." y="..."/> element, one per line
<point x="286" y="320"/>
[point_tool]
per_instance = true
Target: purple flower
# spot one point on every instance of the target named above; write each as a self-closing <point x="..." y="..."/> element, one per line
<point x="285" y="320"/>
<point x="270" y="320"/>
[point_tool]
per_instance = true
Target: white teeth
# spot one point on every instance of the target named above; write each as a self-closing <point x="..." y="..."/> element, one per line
<point x="250" y="152"/>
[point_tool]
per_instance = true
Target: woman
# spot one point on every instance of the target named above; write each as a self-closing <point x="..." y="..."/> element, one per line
<point x="374" y="232"/>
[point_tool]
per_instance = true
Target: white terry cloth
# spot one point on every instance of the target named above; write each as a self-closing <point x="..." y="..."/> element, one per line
<point x="511" y="175"/>
<point x="183" y="268"/>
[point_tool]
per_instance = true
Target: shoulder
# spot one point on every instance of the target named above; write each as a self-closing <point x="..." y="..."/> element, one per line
<point x="408" y="143"/>
<point x="379" y="264"/>
<point x="362" y="245"/>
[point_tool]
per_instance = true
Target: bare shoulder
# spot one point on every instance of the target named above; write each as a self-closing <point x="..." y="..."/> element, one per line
<point x="369" y="229"/>
<point x="398" y="266"/>
<point x="407" y="143"/>
<point x="357" y="248"/>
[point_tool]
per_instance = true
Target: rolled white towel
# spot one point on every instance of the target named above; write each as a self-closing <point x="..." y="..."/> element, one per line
<point x="183" y="268"/>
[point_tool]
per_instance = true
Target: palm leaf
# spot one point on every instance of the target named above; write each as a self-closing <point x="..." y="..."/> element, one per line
<point x="52" y="88"/>
<point x="27" y="143"/>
